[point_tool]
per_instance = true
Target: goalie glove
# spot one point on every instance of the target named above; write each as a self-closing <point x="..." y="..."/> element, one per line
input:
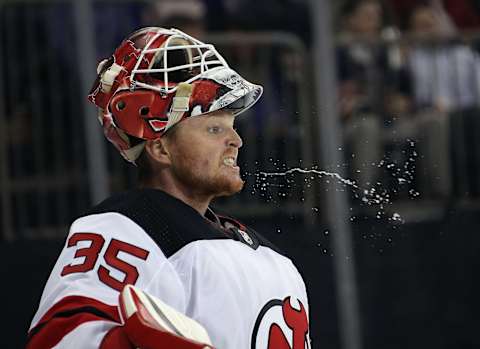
<point x="151" y="324"/>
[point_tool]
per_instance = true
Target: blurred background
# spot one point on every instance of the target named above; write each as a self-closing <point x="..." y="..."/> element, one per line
<point x="381" y="94"/>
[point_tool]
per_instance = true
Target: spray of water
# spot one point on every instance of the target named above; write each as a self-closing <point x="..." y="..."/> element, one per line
<point x="373" y="196"/>
<point x="367" y="196"/>
<point x="309" y="171"/>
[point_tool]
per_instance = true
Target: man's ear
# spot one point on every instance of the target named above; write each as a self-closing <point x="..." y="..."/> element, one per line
<point x="157" y="149"/>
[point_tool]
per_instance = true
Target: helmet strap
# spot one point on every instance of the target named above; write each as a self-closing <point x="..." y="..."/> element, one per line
<point x="180" y="104"/>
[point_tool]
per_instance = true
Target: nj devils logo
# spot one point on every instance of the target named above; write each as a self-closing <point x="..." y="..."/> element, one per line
<point x="281" y="325"/>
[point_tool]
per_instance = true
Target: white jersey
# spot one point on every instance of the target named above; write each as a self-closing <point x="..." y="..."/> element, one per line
<point x="214" y="270"/>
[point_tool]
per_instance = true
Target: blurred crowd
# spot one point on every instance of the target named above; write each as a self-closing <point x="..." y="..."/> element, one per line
<point x="408" y="82"/>
<point x="408" y="93"/>
<point x="408" y="75"/>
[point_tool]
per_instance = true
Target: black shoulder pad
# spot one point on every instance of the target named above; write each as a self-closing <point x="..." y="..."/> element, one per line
<point x="170" y="222"/>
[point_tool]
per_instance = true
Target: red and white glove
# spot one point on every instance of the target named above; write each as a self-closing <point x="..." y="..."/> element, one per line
<point x="151" y="324"/>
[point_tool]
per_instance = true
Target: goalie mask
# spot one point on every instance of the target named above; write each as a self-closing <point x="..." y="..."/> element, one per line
<point x="158" y="77"/>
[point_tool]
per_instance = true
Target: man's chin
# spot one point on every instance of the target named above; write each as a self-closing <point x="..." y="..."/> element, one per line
<point x="230" y="187"/>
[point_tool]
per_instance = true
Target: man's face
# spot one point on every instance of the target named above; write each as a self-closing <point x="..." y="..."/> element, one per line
<point x="367" y="18"/>
<point x="424" y="22"/>
<point x="204" y="153"/>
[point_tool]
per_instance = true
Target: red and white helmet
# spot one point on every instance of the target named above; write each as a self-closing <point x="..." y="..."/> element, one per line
<point x="158" y="77"/>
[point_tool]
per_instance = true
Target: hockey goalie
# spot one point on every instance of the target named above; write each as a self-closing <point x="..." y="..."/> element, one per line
<point x="168" y="103"/>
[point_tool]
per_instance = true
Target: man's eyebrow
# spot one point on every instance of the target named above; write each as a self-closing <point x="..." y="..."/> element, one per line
<point x="221" y="117"/>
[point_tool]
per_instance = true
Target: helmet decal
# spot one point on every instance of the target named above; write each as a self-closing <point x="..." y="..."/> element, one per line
<point x="204" y="93"/>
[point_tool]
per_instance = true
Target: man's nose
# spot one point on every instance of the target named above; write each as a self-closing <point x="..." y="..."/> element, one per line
<point x="235" y="140"/>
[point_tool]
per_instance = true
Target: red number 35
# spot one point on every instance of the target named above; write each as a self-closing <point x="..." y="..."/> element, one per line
<point x="92" y="252"/>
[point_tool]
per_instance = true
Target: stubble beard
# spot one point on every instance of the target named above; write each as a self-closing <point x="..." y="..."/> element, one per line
<point x="205" y="184"/>
<point x="228" y="186"/>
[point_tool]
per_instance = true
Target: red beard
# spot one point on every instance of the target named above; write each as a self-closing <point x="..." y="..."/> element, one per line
<point x="223" y="183"/>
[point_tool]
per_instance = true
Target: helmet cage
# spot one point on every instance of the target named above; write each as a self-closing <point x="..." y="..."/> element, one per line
<point x="202" y="56"/>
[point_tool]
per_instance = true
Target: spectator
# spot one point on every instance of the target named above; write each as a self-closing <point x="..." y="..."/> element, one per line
<point x="443" y="71"/>
<point x="362" y="62"/>
<point x="464" y="14"/>
<point x="444" y="80"/>
<point x="357" y="61"/>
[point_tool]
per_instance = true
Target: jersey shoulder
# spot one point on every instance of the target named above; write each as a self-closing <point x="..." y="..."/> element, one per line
<point x="171" y="223"/>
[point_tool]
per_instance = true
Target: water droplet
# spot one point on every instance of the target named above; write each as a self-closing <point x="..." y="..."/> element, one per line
<point x="396" y="217"/>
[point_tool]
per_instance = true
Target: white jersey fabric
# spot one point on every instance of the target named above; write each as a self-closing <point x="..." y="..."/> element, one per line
<point x="214" y="270"/>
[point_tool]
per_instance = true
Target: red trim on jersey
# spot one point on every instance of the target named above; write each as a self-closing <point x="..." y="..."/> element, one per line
<point x="66" y="315"/>
<point x="233" y="221"/>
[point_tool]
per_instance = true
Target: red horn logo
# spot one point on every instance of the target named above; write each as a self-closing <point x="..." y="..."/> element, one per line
<point x="295" y="320"/>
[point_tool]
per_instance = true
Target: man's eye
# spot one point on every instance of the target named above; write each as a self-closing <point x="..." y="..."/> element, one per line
<point x="214" y="129"/>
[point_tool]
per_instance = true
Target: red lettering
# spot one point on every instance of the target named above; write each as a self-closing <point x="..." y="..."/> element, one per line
<point x="111" y="257"/>
<point x="92" y="252"/>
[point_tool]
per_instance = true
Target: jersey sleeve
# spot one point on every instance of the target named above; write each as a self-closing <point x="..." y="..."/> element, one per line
<point x="102" y="253"/>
